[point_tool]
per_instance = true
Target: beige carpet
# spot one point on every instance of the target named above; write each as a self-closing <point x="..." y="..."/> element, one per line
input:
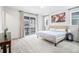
<point x="32" y="44"/>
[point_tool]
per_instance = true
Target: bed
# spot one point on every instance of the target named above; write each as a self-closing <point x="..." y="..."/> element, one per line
<point x="56" y="35"/>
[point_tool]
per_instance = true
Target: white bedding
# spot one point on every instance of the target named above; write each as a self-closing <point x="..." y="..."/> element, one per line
<point x="53" y="36"/>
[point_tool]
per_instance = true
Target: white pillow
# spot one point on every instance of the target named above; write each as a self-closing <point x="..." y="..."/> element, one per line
<point x="63" y="30"/>
<point x="52" y="29"/>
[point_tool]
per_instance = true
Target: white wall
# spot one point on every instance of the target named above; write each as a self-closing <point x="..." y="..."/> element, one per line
<point x="67" y="17"/>
<point x="12" y="22"/>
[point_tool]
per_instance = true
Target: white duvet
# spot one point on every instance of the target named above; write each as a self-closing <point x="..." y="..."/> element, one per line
<point x="54" y="36"/>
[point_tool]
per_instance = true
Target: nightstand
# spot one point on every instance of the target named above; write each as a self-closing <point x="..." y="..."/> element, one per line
<point x="69" y="36"/>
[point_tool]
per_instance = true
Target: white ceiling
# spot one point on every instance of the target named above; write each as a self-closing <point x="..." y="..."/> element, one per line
<point x="43" y="10"/>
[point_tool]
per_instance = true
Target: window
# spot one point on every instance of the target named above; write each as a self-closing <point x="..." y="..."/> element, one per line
<point x="75" y="18"/>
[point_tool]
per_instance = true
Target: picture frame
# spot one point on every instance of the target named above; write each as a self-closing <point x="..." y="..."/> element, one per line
<point x="58" y="17"/>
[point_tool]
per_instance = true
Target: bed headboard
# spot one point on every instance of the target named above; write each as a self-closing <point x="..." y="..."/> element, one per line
<point x="64" y="27"/>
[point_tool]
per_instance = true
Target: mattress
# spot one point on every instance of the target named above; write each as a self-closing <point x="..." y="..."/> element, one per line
<point x="54" y="36"/>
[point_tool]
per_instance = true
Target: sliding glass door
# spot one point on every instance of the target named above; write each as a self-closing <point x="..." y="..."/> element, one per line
<point x="29" y="25"/>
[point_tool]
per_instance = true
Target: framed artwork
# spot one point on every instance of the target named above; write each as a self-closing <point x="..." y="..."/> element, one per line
<point x="58" y="17"/>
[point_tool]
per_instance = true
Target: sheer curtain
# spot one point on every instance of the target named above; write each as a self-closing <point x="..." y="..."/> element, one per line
<point x="1" y="19"/>
<point x="21" y="13"/>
